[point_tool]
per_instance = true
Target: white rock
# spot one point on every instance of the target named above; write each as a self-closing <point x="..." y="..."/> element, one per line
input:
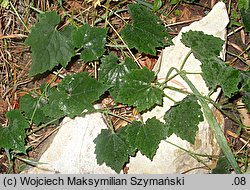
<point x="72" y="149"/>
<point x="169" y="158"/>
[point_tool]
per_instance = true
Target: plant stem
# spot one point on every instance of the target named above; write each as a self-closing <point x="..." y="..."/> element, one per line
<point x="106" y="13"/>
<point x="110" y="125"/>
<point x="42" y="126"/>
<point x="229" y="116"/>
<point x="215" y="127"/>
<point x="185" y="59"/>
<point x="124" y="44"/>
<point x="41" y="96"/>
<point x="18" y="16"/>
<point x="193" y="153"/>
<point x="173" y="68"/>
<point x="118" y="116"/>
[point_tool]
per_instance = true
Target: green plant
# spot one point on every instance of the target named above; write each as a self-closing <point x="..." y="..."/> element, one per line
<point x="75" y="95"/>
<point x="244" y="7"/>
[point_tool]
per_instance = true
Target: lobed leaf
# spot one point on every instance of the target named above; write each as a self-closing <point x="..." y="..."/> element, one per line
<point x="49" y="46"/>
<point x="183" y="118"/>
<point x="32" y="107"/>
<point x="146" y="32"/>
<point x="123" y="134"/>
<point x="138" y="91"/>
<point x="111" y="149"/>
<point x="202" y="45"/>
<point x="77" y="92"/>
<point x="215" y="72"/>
<point x="91" y="41"/>
<point x="56" y="105"/>
<point x="111" y="73"/>
<point x="13" y="136"/>
<point x="146" y="137"/>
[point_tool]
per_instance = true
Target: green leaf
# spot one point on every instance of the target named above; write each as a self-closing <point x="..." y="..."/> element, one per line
<point x="49" y="46"/>
<point x="246" y="100"/>
<point x="146" y="137"/>
<point x="56" y="105"/>
<point x="215" y="72"/>
<point x="146" y="32"/>
<point x="138" y="90"/>
<point x="174" y="2"/>
<point x="183" y="118"/>
<point x="157" y="5"/>
<point x="111" y="149"/>
<point x="111" y="73"/>
<point x="91" y="41"/>
<point x="13" y="136"/>
<point x="202" y="45"/>
<point x="123" y="134"/>
<point x="245" y="15"/>
<point x="245" y="75"/>
<point x="215" y="127"/>
<point x="211" y="70"/>
<point x="223" y="166"/>
<point x="229" y="81"/>
<point x="30" y="106"/>
<point x="243" y="4"/>
<point x="77" y="92"/>
<point x="234" y="19"/>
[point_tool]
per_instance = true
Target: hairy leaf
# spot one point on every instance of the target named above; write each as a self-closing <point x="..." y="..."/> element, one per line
<point x="146" y="137"/>
<point x="146" y="32"/>
<point x="215" y="72"/>
<point x="13" y="136"/>
<point x="123" y="134"/>
<point x="77" y="93"/>
<point x="56" y="105"/>
<point x="211" y="70"/>
<point x="111" y="149"/>
<point x="202" y="45"/>
<point x="111" y="72"/>
<point x="91" y="41"/>
<point x="229" y="81"/>
<point x="183" y="118"/>
<point x="49" y="46"/>
<point x="32" y="107"/>
<point x="138" y="91"/>
<point x="245" y="15"/>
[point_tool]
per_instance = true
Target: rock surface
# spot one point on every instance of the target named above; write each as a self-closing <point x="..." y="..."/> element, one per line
<point x="72" y="150"/>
